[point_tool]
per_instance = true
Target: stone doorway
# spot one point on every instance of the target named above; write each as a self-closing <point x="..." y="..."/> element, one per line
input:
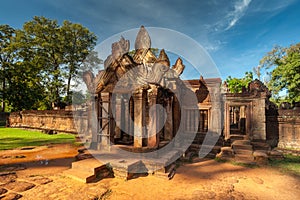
<point x="237" y="119"/>
<point x="203" y="121"/>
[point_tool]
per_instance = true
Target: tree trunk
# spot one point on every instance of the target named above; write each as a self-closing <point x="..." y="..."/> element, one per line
<point x="3" y="95"/>
<point x="69" y="86"/>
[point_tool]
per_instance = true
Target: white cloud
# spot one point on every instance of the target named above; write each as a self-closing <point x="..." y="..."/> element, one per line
<point x="271" y="6"/>
<point x="240" y="8"/>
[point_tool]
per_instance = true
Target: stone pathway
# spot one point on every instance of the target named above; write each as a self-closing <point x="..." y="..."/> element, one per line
<point x="11" y="187"/>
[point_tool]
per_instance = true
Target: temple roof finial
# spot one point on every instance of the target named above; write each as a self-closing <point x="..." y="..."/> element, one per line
<point x="142" y="40"/>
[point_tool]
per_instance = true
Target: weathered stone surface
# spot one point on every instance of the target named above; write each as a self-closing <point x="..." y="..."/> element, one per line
<point x="2" y="191"/>
<point x="51" y="120"/>
<point x="260" y="157"/>
<point x="6" y="177"/>
<point x="40" y="180"/>
<point x="12" y="167"/>
<point x="19" y="186"/>
<point x="260" y="153"/>
<point x="11" y="196"/>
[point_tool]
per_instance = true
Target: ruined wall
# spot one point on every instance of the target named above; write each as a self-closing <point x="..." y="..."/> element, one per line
<point x="56" y="120"/>
<point x="258" y="122"/>
<point x="289" y="128"/>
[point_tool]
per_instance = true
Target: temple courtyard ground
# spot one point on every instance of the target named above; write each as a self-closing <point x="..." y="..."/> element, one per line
<point x="37" y="173"/>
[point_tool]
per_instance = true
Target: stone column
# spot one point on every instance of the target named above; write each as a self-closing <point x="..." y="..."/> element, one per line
<point x="93" y="121"/>
<point x="153" y="136"/>
<point x="176" y="114"/>
<point x="131" y="119"/>
<point x="169" y="122"/>
<point x="227" y="122"/>
<point x="138" y="118"/>
<point x="112" y="123"/>
<point x="215" y="125"/>
<point x="105" y="121"/>
<point x="126" y="119"/>
<point x="118" y="117"/>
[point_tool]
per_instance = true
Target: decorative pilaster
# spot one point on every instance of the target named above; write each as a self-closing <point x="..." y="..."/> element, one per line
<point x="138" y="118"/>
<point x="169" y="120"/>
<point x="93" y="122"/>
<point x="105" y="121"/>
<point x="215" y="124"/>
<point x="118" y="118"/>
<point x="153" y="136"/>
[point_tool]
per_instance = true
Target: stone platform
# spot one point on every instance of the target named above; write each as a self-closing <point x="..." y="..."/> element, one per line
<point x="123" y="164"/>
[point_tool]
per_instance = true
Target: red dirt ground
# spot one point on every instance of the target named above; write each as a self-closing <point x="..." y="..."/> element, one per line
<point x="203" y="180"/>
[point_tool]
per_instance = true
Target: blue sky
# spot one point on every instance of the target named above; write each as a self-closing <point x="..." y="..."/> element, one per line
<point x="236" y="33"/>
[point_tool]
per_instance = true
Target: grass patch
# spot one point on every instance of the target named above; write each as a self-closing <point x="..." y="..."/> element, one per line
<point x="11" y="138"/>
<point x="290" y="164"/>
<point x="220" y="160"/>
<point x="248" y="165"/>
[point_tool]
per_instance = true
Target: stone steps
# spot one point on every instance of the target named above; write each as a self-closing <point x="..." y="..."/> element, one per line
<point x="199" y="138"/>
<point x="211" y="151"/>
<point x="167" y="172"/>
<point x="85" y="177"/>
<point x="246" y="159"/>
<point x="242" y="152"/>
<point x="261" y="146"/>
<point x="234" y="137"/>
<point x="239" y="150"/>
<point x="88" y="170"/>
<point x="242" y="147"/>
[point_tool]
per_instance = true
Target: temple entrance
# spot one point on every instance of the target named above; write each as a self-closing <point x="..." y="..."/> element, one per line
<point x="237" y="119"/>
<point x="203" y="121"/>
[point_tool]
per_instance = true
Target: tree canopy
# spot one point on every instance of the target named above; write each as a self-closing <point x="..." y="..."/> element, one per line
<point x="235" y="85"/>
<point x="39" y="62"/>
<point x="284" y="66"/>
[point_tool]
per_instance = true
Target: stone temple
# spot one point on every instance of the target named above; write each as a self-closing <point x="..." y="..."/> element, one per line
<point x="140" y="105"/>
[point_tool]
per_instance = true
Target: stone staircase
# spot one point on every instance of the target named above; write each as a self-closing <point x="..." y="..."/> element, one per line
<point x="197" y="144"/>
<point x="243" y="151"/>
<point x="239" y="149"/>
<point x="88" y="170"/>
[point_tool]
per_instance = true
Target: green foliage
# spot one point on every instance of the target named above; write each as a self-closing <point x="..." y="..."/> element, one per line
<point x="6" y="59"/>
<point x="285" y="72"/>
<point x="40" y="62"/>
<point x="290" y="164"/>
<point x="236" y="85"/>
<point x="11" y="138"/>
<point x="155" y="51"/>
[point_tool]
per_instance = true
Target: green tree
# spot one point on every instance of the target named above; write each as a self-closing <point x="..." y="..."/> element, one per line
<point x="6" y="59"/>
<point x="41" y="37"/>
<point x="284" y="64"/>
<point x="236" y="85"/>
<point x="59" y="52"/>
<point x="40" y="61"/>
<point x="78" y="45"/>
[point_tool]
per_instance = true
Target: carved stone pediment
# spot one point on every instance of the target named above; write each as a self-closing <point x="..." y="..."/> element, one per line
<point x="141" y="69"/>
<point x="256" y="86"/>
